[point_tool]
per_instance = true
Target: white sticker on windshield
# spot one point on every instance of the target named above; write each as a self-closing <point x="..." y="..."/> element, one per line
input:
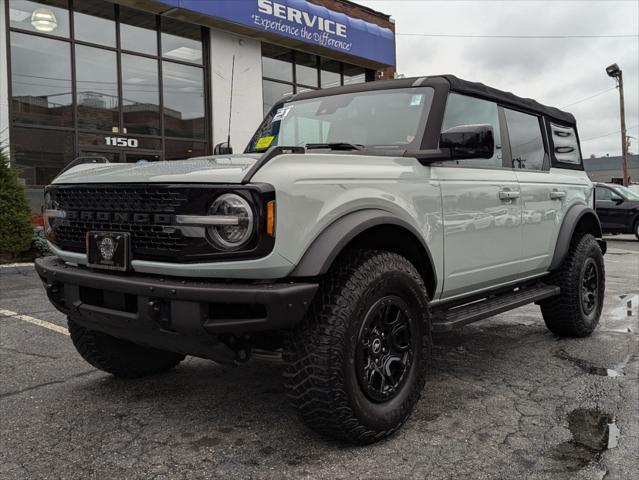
<point x="416" y="100"/>
<point x="281" y="113"/>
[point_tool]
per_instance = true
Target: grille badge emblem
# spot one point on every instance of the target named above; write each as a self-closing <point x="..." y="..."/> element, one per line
<point x="107" y="248"/>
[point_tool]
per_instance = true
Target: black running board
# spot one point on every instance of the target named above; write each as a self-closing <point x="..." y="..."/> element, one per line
<point x="447" y="318"/>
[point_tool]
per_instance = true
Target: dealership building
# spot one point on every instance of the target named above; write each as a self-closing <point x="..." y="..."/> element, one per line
<point x="151" y="80"/>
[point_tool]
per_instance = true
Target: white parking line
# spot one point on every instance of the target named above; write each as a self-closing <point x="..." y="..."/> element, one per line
<point x="20" y="264"/>
<point x="35" y="321"/>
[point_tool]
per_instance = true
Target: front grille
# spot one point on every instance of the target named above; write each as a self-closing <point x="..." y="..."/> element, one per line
<point x="149" y="241"/>
<point x="148" y="213"/>
<point x="122" y="199"/>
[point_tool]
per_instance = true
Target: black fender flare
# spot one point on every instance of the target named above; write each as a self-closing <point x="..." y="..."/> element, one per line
<point x="571" y="219"/>
<point x="320" y="255"/>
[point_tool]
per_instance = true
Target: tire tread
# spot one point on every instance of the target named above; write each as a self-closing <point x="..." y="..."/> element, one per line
<point x="120" y="357"/>
<point x="314" y="381"/>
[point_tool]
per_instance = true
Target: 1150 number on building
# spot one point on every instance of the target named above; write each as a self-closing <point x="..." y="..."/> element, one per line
<point x="121" y="142"/>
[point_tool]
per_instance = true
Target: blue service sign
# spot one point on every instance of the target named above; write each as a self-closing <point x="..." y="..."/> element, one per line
<point x="304" y="21"/>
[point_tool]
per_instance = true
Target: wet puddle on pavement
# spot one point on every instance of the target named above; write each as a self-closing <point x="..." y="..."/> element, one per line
<point x="586" y="366"/>
<point x="593" y="432"/>
<point x="624" y="315"/>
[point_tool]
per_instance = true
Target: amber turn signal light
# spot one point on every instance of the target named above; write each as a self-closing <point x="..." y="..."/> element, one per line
<point x="270" y="218"/>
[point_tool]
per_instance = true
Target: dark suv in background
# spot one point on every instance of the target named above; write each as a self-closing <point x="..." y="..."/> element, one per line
<point x="617" y="208"/>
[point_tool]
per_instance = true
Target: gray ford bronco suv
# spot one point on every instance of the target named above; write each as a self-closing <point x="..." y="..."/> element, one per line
<point x="358" y="221"/>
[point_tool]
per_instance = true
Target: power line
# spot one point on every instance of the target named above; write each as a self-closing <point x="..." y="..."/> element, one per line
<point x="608" y="134"/>
<point x="464" y="35"/>
<point x="588" y="98"/>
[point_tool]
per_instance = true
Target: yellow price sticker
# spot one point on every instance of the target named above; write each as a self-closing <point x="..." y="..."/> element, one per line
<point x="264" y="143"/>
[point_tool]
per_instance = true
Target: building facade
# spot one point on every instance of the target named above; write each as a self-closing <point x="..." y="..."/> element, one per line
<point x="605" y="169"/>
<point x="151" y="80"/>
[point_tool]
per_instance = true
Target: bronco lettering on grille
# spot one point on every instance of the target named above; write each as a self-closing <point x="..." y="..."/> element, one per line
<point x="121" y="217"/>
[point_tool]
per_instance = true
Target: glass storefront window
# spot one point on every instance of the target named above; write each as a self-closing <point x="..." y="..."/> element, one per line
<point x="178" y="149"/>
<point x="40" y="160"/>
<point x="272" y="92"/>
<point x="181" y="41"/>
<point x="85" y="77"/>
<point x="94" y="23"/>
<point x="183" y="100"/>
<point x="277" y="63"/>
<point x="331" y="73"/>
<point x="354" y="74"/>
<point x="49" y="17"/>
<point x="138" y="31"/>
<point x="287" y="71"/>
<point x="41" y="91"/>
<point x="140" y="95"/>
<point x="306" y="69"/>
<point x="96" y="88"/>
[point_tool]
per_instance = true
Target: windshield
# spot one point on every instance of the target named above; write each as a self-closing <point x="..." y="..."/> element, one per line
<point x="383" y="119"/>
<point x="626" y="192"/>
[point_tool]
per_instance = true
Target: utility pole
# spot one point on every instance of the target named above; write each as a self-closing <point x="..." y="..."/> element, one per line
<point x="615" y="72"/>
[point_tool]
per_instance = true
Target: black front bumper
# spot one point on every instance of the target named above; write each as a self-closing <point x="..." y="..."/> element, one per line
<point x="187" y="316"/>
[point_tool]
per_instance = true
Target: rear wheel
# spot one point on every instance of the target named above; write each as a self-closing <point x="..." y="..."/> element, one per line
<point x="576" y="310"/>
<point x="120" y="357"/>
<point x="356" y="365"/>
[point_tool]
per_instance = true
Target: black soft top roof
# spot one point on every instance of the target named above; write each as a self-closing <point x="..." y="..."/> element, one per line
<point x="477" y="89"/>
<point x="456" y="84"/>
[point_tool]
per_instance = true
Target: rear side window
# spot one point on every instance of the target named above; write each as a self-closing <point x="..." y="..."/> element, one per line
<point x="463" y="110"/>
<point x="566" y="147"/>
<point x="526" y="141"/>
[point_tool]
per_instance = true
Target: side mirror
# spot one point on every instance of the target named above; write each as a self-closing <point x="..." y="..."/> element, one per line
<point x="617" y="199"/>
<point x="468" y="141"/>
<point x="222" y="149"/>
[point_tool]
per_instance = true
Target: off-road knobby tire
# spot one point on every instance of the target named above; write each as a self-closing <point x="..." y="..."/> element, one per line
<point x="120" y="357"/>
<point x="320" y="373"/>
<point x="563" y="313"/>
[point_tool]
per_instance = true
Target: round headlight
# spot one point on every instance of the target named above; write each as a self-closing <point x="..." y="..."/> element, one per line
<point x="232" y="236"/>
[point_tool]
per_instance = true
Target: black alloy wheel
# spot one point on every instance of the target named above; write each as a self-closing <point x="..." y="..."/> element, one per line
<point x="589" y="286"/>
<point x="384" y="352"/>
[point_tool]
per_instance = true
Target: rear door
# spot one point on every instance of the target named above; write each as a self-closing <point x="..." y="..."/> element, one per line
<point x="481" y="208"/>
<point x="542" y="195"/>
<point x="547" y="192"/>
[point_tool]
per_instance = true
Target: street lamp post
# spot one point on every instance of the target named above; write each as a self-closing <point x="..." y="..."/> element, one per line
<point x="615" y="72"/>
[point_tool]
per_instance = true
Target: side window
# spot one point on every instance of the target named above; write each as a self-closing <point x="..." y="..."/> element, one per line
<point x="463" y="110"/>
<point x="603" y="193"/>
<point x="566" y="147"/>
<point x="526" y="142"/>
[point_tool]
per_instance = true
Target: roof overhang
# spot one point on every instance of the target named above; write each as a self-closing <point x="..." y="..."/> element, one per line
<point x="296" y="23"/>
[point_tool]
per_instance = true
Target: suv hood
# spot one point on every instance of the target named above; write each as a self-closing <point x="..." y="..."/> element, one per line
<point x="210" y="169"/>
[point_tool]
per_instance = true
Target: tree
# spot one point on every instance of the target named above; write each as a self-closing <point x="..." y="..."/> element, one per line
<point x="15" y="227"/>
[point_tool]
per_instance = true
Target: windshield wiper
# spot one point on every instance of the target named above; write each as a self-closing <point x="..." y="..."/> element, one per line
<point x="335" y="146"/>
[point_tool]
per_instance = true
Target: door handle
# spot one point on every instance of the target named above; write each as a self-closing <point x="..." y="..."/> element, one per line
<point x="557" y="195"/>
<point x="508" y="194"/>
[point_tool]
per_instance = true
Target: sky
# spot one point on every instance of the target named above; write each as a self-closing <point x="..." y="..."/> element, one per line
<point x="561" y="72"/>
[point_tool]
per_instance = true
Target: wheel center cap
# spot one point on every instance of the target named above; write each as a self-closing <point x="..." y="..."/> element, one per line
<point x="377" y="345"/>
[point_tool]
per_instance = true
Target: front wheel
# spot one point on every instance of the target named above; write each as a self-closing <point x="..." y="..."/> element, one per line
<point x="636" y="230"/>
<point x="576" y="310"/>
<point x="356" y="365"/>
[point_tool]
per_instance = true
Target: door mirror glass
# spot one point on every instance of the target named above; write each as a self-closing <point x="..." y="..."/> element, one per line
<point x="222" y="149"/>
<point x="468" y="141"/>
<point x="616" y="198"/>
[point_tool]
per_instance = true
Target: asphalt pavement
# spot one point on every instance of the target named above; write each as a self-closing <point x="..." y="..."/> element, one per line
<point x="504" y="399"/>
